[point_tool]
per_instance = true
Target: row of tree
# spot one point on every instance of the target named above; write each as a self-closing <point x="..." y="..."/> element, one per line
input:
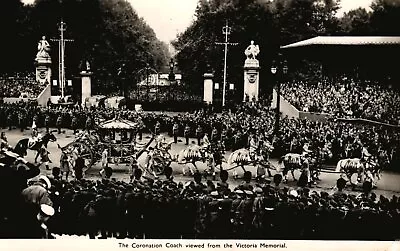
<point x="107" y="33"/>
<point x="118" y="43"/>
<point x="270" y="24"/>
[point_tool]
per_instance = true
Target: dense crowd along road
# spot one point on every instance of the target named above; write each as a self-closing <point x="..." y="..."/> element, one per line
<point x="345" y="97"/>
<point x="234" y="128"/>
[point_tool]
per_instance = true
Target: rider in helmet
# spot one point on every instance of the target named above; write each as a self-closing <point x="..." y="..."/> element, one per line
<point x="253" y="146"/>
<point x="365" y="158"/>
<point x="4" y="141"/>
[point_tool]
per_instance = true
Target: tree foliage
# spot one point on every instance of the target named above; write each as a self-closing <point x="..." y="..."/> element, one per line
<point x="269" y="24"/>
<point x="107" y="33"/>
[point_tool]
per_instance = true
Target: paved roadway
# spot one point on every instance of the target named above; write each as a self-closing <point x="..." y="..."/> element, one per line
<point x="388" y="185"/>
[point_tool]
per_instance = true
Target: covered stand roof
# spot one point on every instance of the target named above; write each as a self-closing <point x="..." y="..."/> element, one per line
<point x="118" y="124"/>
<point x="345" y="40"/>
<point x="365" y="56"/>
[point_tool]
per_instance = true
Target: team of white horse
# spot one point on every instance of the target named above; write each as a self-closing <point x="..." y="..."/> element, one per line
<point x="366" y="169"/>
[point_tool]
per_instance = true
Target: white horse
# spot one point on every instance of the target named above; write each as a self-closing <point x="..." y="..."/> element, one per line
<point x="191" y="155"/>
<point x="292" y="161"/>
<point x="351" y="166"/>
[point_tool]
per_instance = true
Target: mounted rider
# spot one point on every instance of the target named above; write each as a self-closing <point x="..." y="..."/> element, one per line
<point x="4" y="141"/>
<point x="305" y="162"/>
<point x="367" y="162"/>
<point x="161" y="144"/>
<point x="34" y="139"/>
<point x="253" y="147"/>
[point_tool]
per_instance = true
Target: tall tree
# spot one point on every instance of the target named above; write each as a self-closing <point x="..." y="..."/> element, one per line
<point x="356" y="22"/>
<point x="385" y="17"/>
<point x="108" y="33"/>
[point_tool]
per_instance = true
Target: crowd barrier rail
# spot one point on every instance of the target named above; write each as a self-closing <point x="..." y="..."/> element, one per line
<point x="289" y="110"/>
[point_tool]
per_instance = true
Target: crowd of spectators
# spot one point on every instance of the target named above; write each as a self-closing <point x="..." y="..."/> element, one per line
<point x="163" y="208"/>
<point x="345" y="97"/>
<point x="146" y="208"/>
<point x="340" y="139"/>
<point x="20" y="83"/>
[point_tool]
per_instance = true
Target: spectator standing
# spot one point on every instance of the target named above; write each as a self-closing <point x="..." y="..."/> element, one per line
<point x="175" y="132"/>
<point x="187" y="134"/>
<point x="44" y="156"/>
<point x="47" y="122"/>
<point x="79" y="166"/>
<point x="157" y="128"/>
<point x="64" y="164"/>
<point x="104" y="161"/>
<point x="199" y="134"/>
<point x="59" y="123"/>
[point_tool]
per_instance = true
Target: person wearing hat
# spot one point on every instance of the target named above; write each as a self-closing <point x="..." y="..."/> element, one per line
<point x="206" y="141"/>
<point x="4" y="141"/>
<point x="134" y="165"/>
<point x="213" y="227"/>
<point x="14" y="174"/>
<point x="199" y="133"/>
<point x="44" y="156"/>
<point x="33" y="197"/>
<point x="104" y="161"/>
<point x="37" y="193"/>
<point x="157" y="128"/>
<point x="340" y="184"/>
<point x="175" y="131"/>
<point x="258" y="210"/>
<point x="236" y="212"/>
<point x="223" y="185"/>
<point x="246" y="185"/>
<point x="36" y="227"/>
<point x="47" y="122"/>
<point x="247" y="214"/>
<point x="65" y="165"/>
<point x="214" y="135"/>
<point x="59" y="123"/>
<point x="186" y="133"/>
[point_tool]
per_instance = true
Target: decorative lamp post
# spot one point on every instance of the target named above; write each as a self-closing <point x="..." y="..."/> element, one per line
<point x="171" y="70"/>
<point x="281" y="68"/>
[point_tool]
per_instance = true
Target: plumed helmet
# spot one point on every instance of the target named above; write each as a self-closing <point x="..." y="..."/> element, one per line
<point x="45" y="181"/>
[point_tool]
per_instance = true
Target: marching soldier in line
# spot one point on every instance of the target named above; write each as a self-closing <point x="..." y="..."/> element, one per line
<point x="47" y="122"/>
<point x="187" y="133"/>
<point x="44" y="156"/>
<point x="59" y="123"/>
<point x="64" y="164"/>
<point x="214" y="135"/>
<point x="175" y="132"/>
<point x="22" y="120"/>
<point x="237" y="222"/>
<point x="104" y="161"/>
<point x="247" y="214"/>
<point x="258" y="211"/>
<point x="89" y="123"/>
<point x="199" y="134"/>
<point x="157" y="128"/>
<point x="213" y="226"/>
<point x="10" y="121"/>
<point x="74" y="123"/>
<point x="4" y="141"/>
<point x="224" y="134"/>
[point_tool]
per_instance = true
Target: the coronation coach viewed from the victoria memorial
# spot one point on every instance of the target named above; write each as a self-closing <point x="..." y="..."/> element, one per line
<point x="200" y="120"/>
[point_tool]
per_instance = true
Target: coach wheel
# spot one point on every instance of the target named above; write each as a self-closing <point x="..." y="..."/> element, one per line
<point x="75" y="149"/>
<point x="158" y="165"/>
<point x="167" y="159"/>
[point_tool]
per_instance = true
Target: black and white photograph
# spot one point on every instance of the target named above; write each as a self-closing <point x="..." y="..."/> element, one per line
<point x="228" y="124"/>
